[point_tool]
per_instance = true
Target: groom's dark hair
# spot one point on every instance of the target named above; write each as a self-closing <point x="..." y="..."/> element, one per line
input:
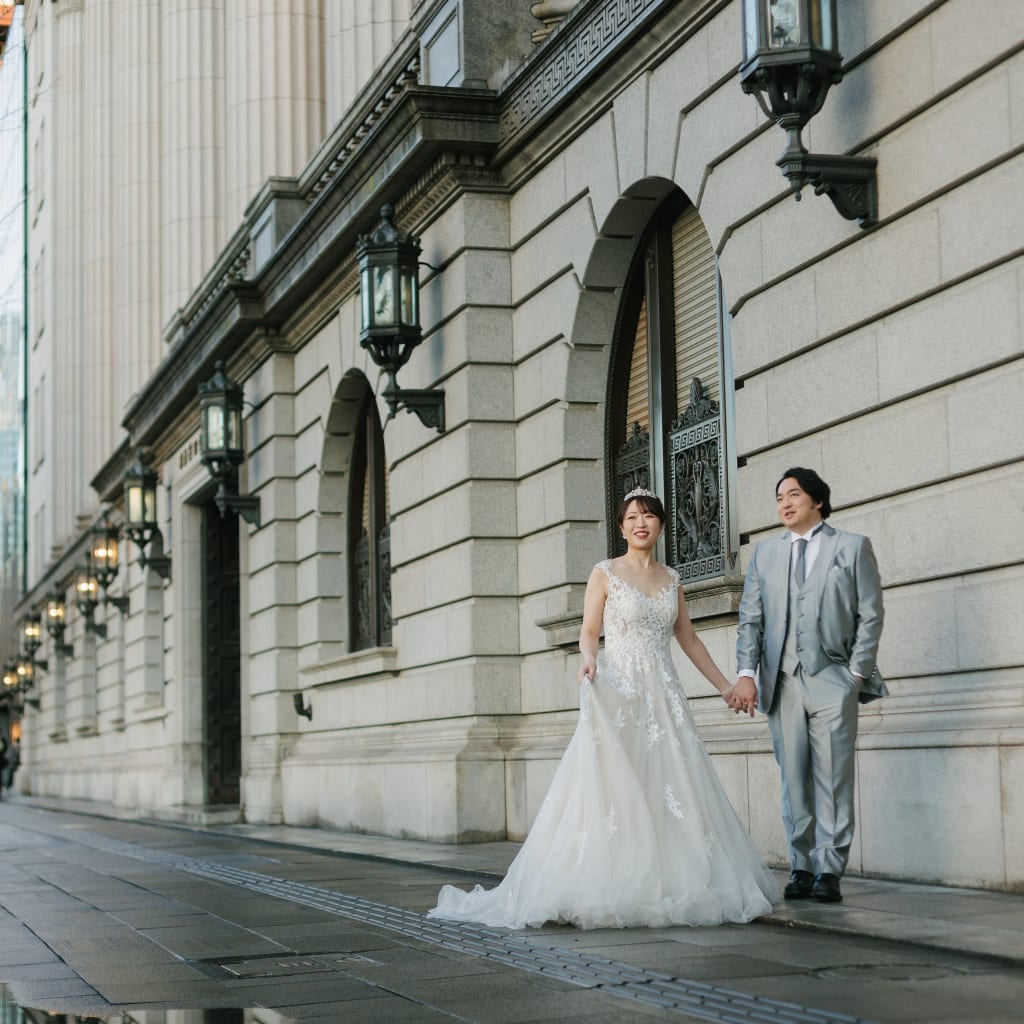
<point x="811" y="484"/>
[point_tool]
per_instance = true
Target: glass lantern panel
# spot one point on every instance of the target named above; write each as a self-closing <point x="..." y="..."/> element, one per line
<point x="827" y="30"/>
<point x="234" y="423"/>
<point x="133" y="504"/>
<point x="409" y="312"/>
<point x="383" y="297"/>
<point x="213" y="417"/>
<point x="55" y="611"/>
<point x="366" y="286"/>
<point x="751" y="16"/>
<point x="149" y="504"/>
<point x="783" y="23"/>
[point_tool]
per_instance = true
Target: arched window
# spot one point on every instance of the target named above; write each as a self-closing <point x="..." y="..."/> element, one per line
<point x="666" y="428"/>
<point x="369" y="539"/>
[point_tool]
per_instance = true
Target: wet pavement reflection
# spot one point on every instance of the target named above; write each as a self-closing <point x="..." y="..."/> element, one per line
<point x="12" y="1012"/>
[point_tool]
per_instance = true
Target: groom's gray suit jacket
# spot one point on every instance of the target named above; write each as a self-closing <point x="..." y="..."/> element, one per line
<point x="848" y="600"/>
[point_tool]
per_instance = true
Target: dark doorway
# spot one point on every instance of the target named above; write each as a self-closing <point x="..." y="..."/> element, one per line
<point x="222" y="691"/>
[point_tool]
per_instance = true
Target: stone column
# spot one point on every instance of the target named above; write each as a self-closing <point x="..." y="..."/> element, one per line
<point x="136" y="170"/>
<point x="359" y="37"/>
<point x="98" y="418"/>
<point x="192" y="146"/>
<point x="66" y="353"/>
<point x="273" y="92"/>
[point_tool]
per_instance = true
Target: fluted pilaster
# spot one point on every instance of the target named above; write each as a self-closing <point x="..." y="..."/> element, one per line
<point x="273" y="90"/>
<point x="137" y="322"/>
<point x="192" y="147"/>
<point x="97" y="412"/>
<point x="359" y="37"/>
<point x="67" y="353"/>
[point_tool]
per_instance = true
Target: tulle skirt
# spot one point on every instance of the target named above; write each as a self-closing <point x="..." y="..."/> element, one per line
<point x="635" y="831"/>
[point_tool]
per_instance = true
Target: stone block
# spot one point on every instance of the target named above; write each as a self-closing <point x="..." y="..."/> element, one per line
<point x="829" y="383"/>
<point x="772" y="324"/>
<point x="879" y="271"/>
<point x="308" y="444"/>
<point x="740" y="262"/>
<point x="564" y="242"/>
<point x="764" y="805"/>
<point x="920" y="458"/>
<point x="972" y="324"/>
<point x="271" y="627"/>
<point x="630" y="120"/>
<point x="479" y="392"/>
<point x="549" y="557"/>
<point x="478" y="451"/>
<point x="484" y="567"/>
<point x="946" y="799"/>
<point x="988" y="619"/>
<point x="266" y="547"/>
<point x="538" y="198"/>
<point x="958" y="539"/>
<point x="483" y="508"/>
<point x="974" y="230"/>
<point x="558" y="432"/>
<point x="722" y="120"/>
<point x="482" y="626"/>
<point x="876" y="93"/>
<point x="476" y="334"/>
<point x="1011" y="771"/>
<point x="977" y="116"/>
<point x="556" y="494"/>
<point x="961" y="42"/>
<point x="920" y="636"/>
<point x="322" y="575"/>
<point x="985" y="423"/>
<point x="589" y="158"/>
<point x="545" y="316"/>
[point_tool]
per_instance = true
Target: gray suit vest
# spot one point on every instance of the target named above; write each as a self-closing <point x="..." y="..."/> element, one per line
<point x="802" y="645"/>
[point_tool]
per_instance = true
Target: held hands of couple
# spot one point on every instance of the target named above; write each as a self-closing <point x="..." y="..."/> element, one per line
<point x="743" y="697"/>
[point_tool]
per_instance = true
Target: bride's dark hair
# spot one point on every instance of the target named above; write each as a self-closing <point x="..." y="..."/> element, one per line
<point x="644" y="502"/>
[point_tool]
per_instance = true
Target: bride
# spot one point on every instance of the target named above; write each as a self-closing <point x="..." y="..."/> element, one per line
<point x="636" y="829"/>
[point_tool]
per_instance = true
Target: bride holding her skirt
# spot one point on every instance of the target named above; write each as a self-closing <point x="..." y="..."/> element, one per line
<point x="635" y="829"/>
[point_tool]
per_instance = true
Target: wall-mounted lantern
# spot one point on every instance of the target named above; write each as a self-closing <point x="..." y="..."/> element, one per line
<point x="32" y="640"/>
<point x="389" y="286"/>
<point x="790" y="61"/>
<point x="87" y="598"/>
<point x="140" y="522"/>
<point x="220" y="438"/>
<point x="103" y="559"/>
<point x="56" y="623"/>
<point x="18" y="679"/>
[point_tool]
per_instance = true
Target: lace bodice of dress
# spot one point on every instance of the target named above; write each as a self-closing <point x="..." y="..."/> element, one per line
<point x="638" y="628"/>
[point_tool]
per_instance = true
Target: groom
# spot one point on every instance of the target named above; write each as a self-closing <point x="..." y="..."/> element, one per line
<point x="810" y="621"/>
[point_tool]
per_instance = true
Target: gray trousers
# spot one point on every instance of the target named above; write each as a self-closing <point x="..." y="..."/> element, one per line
<point x="813" y="723"/>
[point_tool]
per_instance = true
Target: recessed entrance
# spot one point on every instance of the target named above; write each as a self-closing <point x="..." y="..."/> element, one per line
<point x="222" y="703"/>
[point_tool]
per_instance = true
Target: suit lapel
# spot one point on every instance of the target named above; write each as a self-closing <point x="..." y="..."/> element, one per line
<point x="822" y="564"/>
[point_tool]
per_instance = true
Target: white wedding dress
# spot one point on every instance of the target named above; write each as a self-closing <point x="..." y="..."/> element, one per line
<point x="636" y="829"/>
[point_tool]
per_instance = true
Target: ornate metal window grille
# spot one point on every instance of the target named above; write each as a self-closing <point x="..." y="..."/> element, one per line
<point x="632" y="469"/>
<point x="696" y="537"/>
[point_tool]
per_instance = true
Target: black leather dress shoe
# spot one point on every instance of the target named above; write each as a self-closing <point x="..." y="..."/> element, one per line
<point x="826" y="889"/>
<point x="799" y="885"/>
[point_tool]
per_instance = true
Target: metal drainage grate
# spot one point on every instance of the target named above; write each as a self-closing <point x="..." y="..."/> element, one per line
<point x="528" y="953"/>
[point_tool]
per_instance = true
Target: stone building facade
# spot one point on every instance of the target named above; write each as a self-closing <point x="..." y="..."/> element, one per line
<point x="616" y="286"/>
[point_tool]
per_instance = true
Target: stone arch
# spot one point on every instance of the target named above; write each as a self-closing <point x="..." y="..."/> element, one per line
<point x="598" y="309"/>
<point x="340" y="428"/>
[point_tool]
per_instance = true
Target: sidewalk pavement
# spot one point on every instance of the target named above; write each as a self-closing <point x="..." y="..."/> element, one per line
<point x="953" y="920"/>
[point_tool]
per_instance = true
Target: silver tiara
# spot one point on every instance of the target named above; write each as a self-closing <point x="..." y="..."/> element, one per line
<point x="639" y="492"/>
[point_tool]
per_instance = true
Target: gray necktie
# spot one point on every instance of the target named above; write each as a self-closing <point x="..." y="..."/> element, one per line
<point x="798" y="569"/>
